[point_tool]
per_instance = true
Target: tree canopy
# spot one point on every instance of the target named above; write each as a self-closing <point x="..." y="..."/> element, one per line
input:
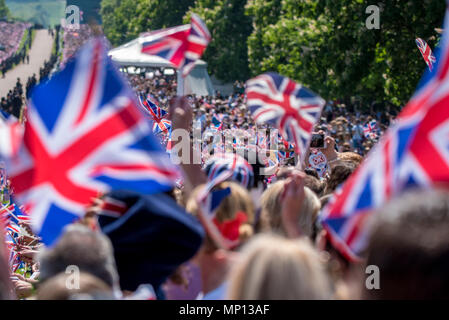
<point x="323" y="44"/>
<point x="326" y="45"/>
<point x="4" y="12"/>
<point x="227" y="54"/>
<point x="124" y="20"/>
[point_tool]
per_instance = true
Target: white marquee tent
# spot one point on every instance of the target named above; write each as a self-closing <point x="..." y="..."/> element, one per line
<point x="197" y="82"/>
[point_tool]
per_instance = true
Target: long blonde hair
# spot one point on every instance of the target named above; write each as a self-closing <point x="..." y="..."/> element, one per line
<point x="273" y="268"/>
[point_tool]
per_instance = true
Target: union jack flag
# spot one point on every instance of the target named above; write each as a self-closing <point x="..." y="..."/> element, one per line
<point x="261" y="140"/>
<point x="162" y="126"/>
<point x="285" y="154"/>
<point x="370" y="129"/>
<point x="216" y="123"/>
<point x="151" y="107"/>
<point x="85" y="135"/>
<point x="292" y="108"/>
<point x="181" y="45"/>
<point x="426" y="53"/>
<point x="412" y="153"/>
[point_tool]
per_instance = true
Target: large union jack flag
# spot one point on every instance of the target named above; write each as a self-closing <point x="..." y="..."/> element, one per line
<point x="414" y="152"/>
<point x="84" y="135"/>
<point x="181" y="45"/>
<point x="292" y="108"/>
<point x="426" y="52"/>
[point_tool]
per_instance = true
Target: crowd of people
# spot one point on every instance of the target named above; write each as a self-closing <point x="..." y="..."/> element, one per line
<point x="73" y="39"/>
<point x="13" y="101"/>
<point x="16" y="97"/>
<point x="10" y="38"/>
<point x="265" y="240"/>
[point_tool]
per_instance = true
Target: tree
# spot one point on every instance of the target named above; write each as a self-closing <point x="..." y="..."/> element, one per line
<point x="326" y="45"/>
<point x="124" y="20"/>
<point x="227" y="53"/>
<point x="4" y="11"/>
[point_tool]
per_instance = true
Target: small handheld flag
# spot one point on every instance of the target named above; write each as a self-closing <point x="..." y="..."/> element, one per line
<point x="426" y="53"/>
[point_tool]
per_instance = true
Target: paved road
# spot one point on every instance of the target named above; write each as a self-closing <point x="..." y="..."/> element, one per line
<point x="40" y="51"/>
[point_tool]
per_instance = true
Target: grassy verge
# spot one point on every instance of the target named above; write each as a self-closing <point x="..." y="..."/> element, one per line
<point x="26" y="34"/>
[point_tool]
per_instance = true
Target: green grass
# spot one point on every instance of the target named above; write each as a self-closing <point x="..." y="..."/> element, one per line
<point x="26" y="34"/>
<point x="45" y="12"/>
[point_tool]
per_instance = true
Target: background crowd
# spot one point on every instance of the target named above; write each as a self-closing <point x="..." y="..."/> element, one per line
<point x="267" y="242"/>
<point x="10" y="39"/>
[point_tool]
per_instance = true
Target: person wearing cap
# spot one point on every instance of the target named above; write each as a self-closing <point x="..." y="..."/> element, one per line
<point x="151" y="239"/>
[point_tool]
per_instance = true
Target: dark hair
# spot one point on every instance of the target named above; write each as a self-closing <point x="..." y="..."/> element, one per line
<point x="410" y="245"/>
<point x="90" y="251"/>
<point x="314" y="184"/>
<point x="338" y="175"/>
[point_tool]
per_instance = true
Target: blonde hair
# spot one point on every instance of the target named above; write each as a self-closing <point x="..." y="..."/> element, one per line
<point x="271" y="204"/>
<point x="238" y="201"/>
<point x="273" y="268"/>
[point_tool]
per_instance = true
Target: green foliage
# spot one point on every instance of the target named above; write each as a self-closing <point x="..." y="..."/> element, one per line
<point x="323" y="44"/>
<point x="326" y="45"/>
<point x="44" y="12"/>
<point x="227" y="54"/>
<point x="90" y="9"/>
<point x="4" y="12"/>
<point x="124" y="20"/>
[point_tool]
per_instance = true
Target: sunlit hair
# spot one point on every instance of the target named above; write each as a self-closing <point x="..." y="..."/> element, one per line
<point x="273" y="268"/>
<point x="238" y="201"/>
<point x="271" y="204"/>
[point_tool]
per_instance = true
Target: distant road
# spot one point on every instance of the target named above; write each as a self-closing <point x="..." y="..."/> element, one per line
<point x="39" y="52"/>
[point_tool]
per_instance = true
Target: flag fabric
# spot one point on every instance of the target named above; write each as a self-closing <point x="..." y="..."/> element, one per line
<point x="216" y="123"/>
<point x="151" y="107"/>
<point x="289" y="106"/>
<point x="158" y="115"/>
<point x="11" y="132"/>
<point x="412" y="153"/>
<point x="84" y="135"/>
<point x="370" y="129"/>
<point x="209" y="201"/>
<point x="182" y="45"/>
<point x="3" y="177"/>
<point x="162" y="126"/>
<point x="261" y="140"/>
<point x="426" y="53"/>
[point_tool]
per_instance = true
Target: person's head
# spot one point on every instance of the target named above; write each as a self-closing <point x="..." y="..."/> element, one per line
<point x="410" y="245"/>
<point x="273" y="268"/>
<point x="234" y="218"/>
<point x="90" y="251"/>
<point x="338" y="175"/>
<point x="271" y="205"/>
<point x="88" y="287"/>
<point x="311" y="180"/>
<point x="353" y="157"/>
